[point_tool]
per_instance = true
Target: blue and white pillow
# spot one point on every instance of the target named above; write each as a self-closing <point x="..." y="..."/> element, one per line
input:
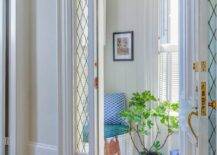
<point x="114" y="103"/>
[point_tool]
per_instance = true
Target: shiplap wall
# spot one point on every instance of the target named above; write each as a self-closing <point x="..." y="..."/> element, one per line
<point x="140" y="74"/>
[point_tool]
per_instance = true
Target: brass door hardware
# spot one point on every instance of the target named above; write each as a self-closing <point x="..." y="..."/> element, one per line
<point x="203" y="99"/>
<point x="200" y="66"/>
<point x="193" y="113"/>
<point x="213" y="104"/>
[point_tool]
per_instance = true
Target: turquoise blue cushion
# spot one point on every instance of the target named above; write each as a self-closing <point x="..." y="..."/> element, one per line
<point x="115" y="130"/>
<point x="109" y="131"/>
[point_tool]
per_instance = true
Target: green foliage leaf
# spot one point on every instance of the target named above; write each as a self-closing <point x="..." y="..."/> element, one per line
<point x="157" y="145"/>
<point x="145" y="110"/>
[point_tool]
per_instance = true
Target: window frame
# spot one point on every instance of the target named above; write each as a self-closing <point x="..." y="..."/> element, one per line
<point x="165" y="40"/>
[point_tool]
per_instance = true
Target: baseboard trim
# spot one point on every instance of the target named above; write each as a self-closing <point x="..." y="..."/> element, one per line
<point x="42" y="149"/>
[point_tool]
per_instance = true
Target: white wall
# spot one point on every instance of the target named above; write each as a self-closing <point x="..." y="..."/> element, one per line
<point x="44" y="75"/>
<point x="140" y="17"/>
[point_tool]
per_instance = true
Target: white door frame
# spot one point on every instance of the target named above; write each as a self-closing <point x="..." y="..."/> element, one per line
<point x="65" y="61"/>
<point x="18" y="75"/>
<point x="13" y="81"/>
<point x="93" y="92"/>
<point x="65" y="66"/>
<point x="193" y="47"/>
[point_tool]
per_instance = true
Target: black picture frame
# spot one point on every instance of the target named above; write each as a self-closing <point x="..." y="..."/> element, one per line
<point x="131" y="52"/>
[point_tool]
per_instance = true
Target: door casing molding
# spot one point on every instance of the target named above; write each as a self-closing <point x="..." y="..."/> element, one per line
<point x="65" y="78"/>
<point x="19" y="93"/>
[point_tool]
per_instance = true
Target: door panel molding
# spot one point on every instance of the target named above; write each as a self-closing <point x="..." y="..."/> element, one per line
<point x="42" y="149"/>
<point x="66" y="140"/>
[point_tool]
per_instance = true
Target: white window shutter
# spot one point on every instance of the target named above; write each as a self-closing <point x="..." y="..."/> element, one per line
<point x="162" y="76"/>
<point x="174" y="94"/>
<point x="168" y="72"/>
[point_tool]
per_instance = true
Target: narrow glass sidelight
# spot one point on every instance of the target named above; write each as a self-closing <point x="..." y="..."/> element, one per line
<point x="212" y="20"/>
<point x="81" y="76"/>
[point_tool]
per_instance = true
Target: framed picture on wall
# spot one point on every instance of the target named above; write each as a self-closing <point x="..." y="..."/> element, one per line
<point x="123" y="46"/>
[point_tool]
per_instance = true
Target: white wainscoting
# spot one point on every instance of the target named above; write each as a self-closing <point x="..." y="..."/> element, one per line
<point x="42" y="149"/>
<point x="126" y="145"/>
<point x="35" y="148"/>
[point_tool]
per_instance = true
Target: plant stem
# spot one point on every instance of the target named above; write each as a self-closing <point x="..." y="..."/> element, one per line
<point x="158" y="131"/>
<point x="168" y="135"/>
<point x="140" y="139"/>
<point x="134" y="143"/>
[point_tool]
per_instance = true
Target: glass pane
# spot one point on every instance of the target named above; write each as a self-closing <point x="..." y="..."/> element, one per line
<point x="212" y="73"/>
<point x="81" y="72"/>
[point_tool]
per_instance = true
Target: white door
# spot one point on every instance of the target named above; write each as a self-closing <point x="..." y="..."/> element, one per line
<point x="2" y="75"/>
<point x="194" y="72"/>
<point x="88" y="76"/>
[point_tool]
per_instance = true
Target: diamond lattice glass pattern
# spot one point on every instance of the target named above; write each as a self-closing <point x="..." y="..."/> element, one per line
<point x="212" y="4"/>
<point x="81" y="71"/>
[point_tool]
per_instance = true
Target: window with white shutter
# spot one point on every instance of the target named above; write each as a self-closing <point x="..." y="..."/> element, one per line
<point x="168" y="58"/>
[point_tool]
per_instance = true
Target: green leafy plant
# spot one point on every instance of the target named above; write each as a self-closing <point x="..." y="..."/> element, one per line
<point x="145" y="112"/>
